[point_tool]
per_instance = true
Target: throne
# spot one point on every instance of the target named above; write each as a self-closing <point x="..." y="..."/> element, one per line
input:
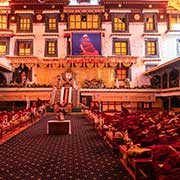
<point x="66" y="89"/>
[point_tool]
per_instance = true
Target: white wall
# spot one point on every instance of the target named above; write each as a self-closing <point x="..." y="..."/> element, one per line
<point x="166" y="41"/>
<point x="167" y="44"/>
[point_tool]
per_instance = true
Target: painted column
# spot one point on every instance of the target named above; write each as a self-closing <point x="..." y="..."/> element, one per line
<point x="62" y="94"/>
<point x="70" y="95"/>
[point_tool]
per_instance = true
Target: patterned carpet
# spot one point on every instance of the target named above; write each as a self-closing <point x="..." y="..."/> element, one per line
<point x="83" y="155"/>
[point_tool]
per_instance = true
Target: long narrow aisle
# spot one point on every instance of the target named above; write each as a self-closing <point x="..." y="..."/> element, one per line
<point x="83" y="155"/>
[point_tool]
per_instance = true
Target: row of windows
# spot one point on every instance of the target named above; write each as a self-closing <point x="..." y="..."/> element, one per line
<point x="120" y="22"/>
<point x="120" y="47"/>
<point x="25" y="47"/>
<point x="166" y="80"/>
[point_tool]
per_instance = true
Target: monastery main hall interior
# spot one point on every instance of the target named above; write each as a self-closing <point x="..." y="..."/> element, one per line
<point x="89" y="89"/>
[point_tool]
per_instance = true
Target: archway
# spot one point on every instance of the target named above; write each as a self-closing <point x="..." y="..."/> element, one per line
<point x="156" y="81"/>
<point x="174" y="78"/>
<point x="18" y="71"/>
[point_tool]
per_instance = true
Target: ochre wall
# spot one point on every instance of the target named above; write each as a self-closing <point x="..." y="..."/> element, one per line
<point x="22" y="94"/>
<point x="158" y="104"/>
<point x="48" y="75"/>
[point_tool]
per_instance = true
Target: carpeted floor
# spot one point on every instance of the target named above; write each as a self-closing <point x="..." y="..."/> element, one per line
<point x="83" y="155"/>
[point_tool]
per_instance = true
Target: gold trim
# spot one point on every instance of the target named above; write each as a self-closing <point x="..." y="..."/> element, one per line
<point x="42" y="65"/>
<point x="137" y="17"/>
<point x="15" y="65"/>
<point x="39" y="17"/>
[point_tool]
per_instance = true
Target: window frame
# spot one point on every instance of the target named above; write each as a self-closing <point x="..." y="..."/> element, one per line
<point x="120" y="76"/>
<point x="126" y="40"/>
<point x="154" y="17"/>
<point x="155" y="40"/>
<point x="17" y="43"/>
<point x="46" y="54"/>
<point x="169" y="24"/>
<point x="156" y="81"/>
<point x="144" y="105"/>
<point x="83" y="21"/>
<point x="126" y="22"/>
<point x="174" y="78"/>
<point x="2" y="23"/>
<point x="21" y="16"/>
<point x="47" y="17"/>
<point x="7" y="44"/>
<point x="178" y="46"/>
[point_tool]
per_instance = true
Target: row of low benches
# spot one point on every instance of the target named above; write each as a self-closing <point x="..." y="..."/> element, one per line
<point x="139" y="167"/>
<point x="10" y="121"/>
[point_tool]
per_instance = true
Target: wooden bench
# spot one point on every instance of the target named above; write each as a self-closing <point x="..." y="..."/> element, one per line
<point x="138" y="168"/>
<point x="113" y="141"/>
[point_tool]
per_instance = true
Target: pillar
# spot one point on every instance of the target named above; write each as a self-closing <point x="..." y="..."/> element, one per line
<point x="169" y="104"/>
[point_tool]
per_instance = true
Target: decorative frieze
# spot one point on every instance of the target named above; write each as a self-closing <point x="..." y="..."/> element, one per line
<point x="83" y="9"/>
<point x="74" y="61"/>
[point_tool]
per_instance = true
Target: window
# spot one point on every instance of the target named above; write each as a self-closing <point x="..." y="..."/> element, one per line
<point x="121" y="73"/>
<point x="51" y="23"/>
<point x="120" y="23"/>
<point x="83" y="21"/>
<point x="174" y="78"/>
<point x="151" y="48"/>
<point x="144" y="105"/>
<point x="3" y="22"/>
<point x="174" y="22"/>
<point x="24" y="23"/>
<point x="121" y="47"/>
<point x="150" y="22"/>
<point x="4" y="46"/>
<point x="178" y="47"/>
<point x="156" y="81"/>
<point x="24" y="47"/>
<point x="83" y="1"/>
<point x="51" y="48"/>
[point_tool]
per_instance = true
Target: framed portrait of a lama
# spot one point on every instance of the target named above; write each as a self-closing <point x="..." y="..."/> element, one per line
<point x="88" y="44"/>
